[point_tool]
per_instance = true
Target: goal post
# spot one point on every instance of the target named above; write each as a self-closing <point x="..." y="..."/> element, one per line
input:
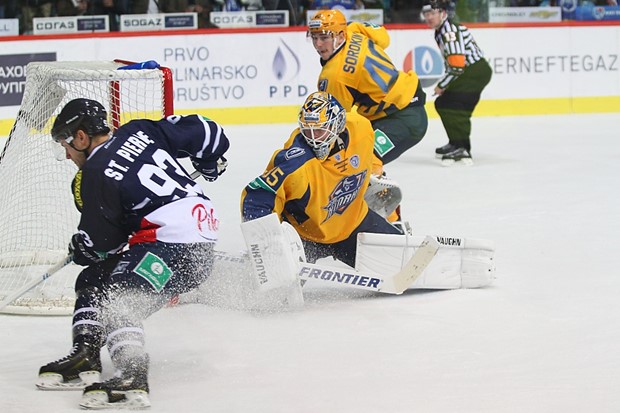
<point x="37" y="212"/>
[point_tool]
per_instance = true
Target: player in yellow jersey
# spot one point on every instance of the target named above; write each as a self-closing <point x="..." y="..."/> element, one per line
<point x="317" y="181"/>
<point x="358" y="72"/>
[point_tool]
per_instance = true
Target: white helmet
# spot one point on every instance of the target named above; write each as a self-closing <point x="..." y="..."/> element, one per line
<point x="321" y="120"/>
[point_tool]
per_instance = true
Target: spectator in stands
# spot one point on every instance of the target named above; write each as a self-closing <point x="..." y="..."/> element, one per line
<point x="292" y="6"/>
<point x="69" y="8"/>
<point x="173" y="6"/>
<point x="144" y="6"/>
<point x="239" y="5"/>
<point x="31" y="9"/>
<point x="112" y="8"/>
<point x="203" y="9"/>
<point x="335" y="4"/>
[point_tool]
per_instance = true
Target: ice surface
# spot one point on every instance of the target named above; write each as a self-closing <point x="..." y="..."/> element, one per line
<point x="543" y="339"/>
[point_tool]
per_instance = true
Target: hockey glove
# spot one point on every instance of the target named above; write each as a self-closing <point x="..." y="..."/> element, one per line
<point x="83" y="253"/>
<point x="210" y="169"/>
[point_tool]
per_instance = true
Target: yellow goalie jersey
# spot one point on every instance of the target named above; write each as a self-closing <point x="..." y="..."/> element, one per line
<point x="324" y="201"/>
<point x="361" y="73"/>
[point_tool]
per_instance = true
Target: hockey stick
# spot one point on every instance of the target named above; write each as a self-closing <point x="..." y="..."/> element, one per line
<point x="36" y="281"/>
<point x="416" y="265"/>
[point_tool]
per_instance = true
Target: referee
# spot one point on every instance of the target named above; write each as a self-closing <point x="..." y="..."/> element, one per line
<point x="458" y="92"/>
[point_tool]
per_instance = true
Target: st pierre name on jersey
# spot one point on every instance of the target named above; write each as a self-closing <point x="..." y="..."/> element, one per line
<point x="129" y="150"/>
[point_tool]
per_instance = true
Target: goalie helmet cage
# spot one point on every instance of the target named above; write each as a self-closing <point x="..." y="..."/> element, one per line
<point x="37" y="212"/>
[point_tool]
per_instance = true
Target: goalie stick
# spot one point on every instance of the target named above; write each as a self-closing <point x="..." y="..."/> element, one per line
<point x="394" y="284"/>
<point x="36" y="281"/>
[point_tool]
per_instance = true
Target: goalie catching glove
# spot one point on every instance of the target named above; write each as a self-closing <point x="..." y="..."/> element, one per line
<point x="82" y="251"/>
<point x="383" y="195"/>
<point x="209" y="168"/>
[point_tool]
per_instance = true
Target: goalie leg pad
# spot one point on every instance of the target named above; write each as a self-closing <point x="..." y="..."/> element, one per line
<point x="459" y="262"/>
<point x="275" y="254"/>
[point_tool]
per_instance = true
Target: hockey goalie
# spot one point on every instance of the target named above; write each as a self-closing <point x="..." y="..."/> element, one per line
<point x="321" y="186"/>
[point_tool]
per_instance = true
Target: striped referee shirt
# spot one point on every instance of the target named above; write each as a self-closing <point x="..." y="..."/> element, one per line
<point x="455" y="39"/>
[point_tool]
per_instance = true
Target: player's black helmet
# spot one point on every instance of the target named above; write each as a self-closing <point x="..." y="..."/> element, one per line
<point x="88" y="115"/>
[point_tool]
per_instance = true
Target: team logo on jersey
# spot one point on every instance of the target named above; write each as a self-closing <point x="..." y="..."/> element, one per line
<point x="294" y="153"/>
<point x="355" y="161"/>
<point x="344" y="194"/>
<point x="322" y="85"/>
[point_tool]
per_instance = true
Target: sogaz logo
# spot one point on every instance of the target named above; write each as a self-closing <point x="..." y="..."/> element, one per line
<point x="427" y="63"/>
<point x="285" y="68"/>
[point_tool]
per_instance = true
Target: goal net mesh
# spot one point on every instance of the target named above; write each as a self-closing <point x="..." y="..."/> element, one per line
<point x="37" y="212"/>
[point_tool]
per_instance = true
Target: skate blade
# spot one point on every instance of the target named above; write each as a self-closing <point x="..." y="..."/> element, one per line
<point x="55" y="382"/>
<point x="451" y="162"/>
<point x="98" y="400"/>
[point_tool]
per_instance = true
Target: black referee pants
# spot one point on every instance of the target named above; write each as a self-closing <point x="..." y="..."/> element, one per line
<point x="457" y="103"/>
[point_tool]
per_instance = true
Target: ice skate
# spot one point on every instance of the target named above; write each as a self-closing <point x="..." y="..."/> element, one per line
<point x="441" y="151"/>
<point x="458" y="156"/>
<point x="79" y="369"/>
<point x="126" y="390"/>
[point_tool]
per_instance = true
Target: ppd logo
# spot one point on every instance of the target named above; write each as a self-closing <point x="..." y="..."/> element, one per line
<point x="285" y="64"/>
<point x="426" y="62"/>
<point x="285" y="68"/>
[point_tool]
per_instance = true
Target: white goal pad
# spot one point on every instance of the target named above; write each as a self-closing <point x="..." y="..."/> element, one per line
<point x="459" y="262"/>
<point x="274" y="253"/>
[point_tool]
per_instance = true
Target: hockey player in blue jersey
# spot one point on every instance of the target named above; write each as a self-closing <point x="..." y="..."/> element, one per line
<point x="146" y="233"/>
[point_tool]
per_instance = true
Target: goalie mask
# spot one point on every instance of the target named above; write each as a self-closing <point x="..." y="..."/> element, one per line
<point x="88" y="115"/>
<point x="321" y="120"/>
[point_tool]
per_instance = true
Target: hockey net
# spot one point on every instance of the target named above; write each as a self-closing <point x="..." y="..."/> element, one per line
<point x="37" y="212"/>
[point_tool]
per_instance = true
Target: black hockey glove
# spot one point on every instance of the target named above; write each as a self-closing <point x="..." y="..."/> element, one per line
<point x="210" y="169"/>
<point x="84" y="254"/>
